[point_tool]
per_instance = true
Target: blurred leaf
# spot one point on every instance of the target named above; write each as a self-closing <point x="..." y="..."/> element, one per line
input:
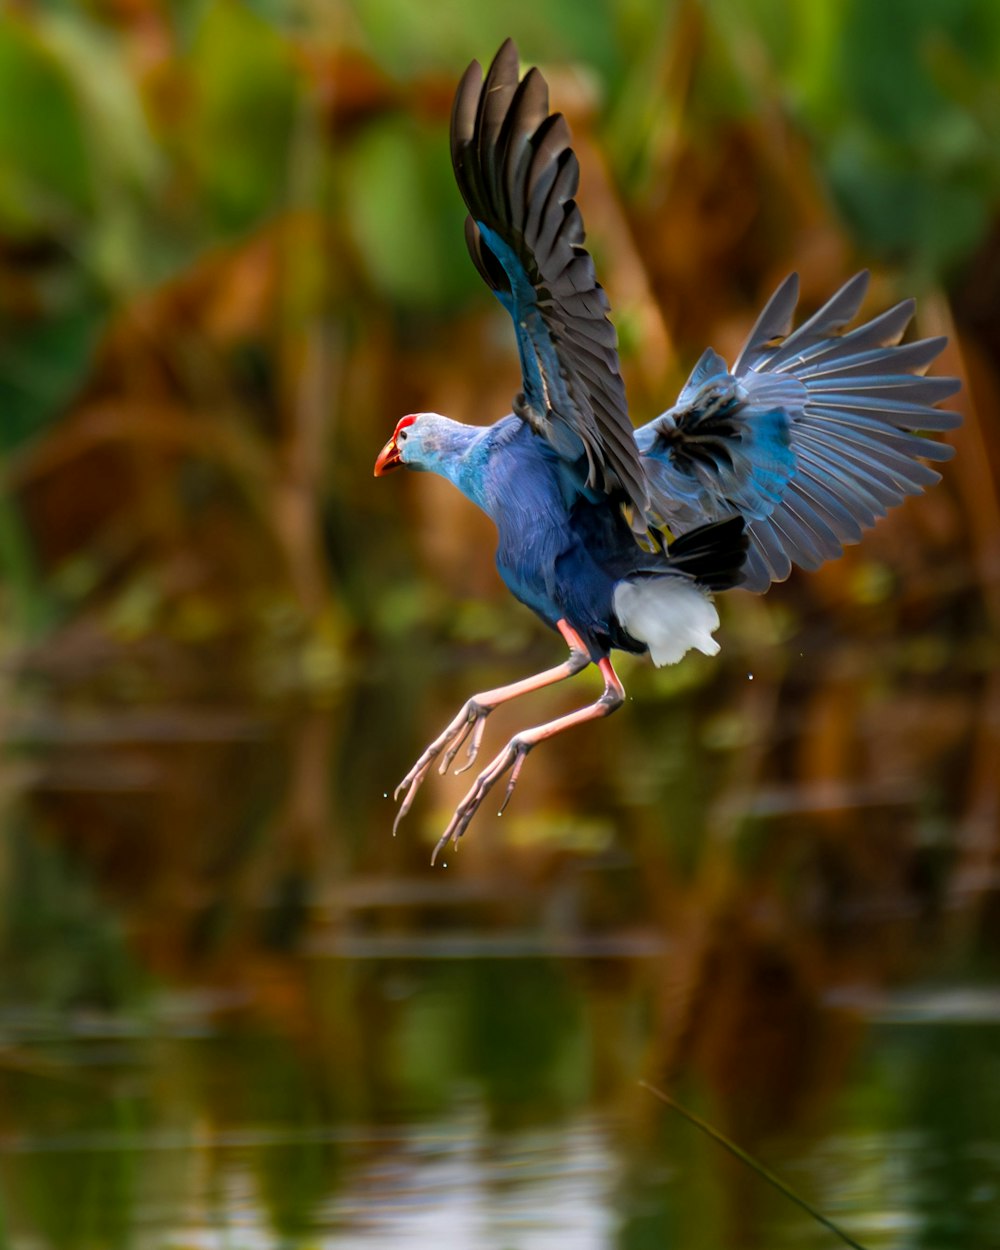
<point x="915" y="171"/>
<point x="884" y="60"/>
<point x="406" y="216"/>
<point x="60" y="945"/>
<point x="108" y="96"/>
<point x="42" y="364"/>
<point x="508" y="1001"/>
<point x="28" y="604"/>
<point x="45" y="168"/>
<point x="872" y="582"/>
<point x="546" y="30"/>
<point x="126" y="162"/>
<point x="240" y="126"/>
<point x="425" y="1048"/>
<point x="934" y="212"/>
<point x="136" y="610"/>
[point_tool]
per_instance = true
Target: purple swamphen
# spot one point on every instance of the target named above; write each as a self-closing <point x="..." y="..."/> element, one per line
<point x="617" y="536"/>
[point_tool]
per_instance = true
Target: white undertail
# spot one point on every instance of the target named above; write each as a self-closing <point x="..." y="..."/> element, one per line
<point x="669" y="614"/>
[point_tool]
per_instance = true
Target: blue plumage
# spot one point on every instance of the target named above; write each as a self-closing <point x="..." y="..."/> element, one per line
<point x="614" y="536"/>
<point x="559" y="551"/>
<point x="711" y="455"/>
<point x="810" y="438"/>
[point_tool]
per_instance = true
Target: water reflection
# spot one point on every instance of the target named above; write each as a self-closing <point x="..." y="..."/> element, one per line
<point x="235" y="1011"/>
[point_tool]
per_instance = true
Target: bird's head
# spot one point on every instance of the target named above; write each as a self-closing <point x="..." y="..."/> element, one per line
<point x="419" y="441"/>
<point x="391" y="455"/>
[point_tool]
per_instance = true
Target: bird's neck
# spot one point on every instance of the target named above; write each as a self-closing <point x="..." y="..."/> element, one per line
<point x="460" y="455"/>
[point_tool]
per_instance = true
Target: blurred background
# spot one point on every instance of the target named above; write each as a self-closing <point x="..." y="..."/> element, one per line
<point x="233" y="1009"/>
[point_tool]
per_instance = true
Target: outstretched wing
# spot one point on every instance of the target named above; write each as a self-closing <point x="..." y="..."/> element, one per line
<point x="811" y="437"/>
<point x="518" y="175"/>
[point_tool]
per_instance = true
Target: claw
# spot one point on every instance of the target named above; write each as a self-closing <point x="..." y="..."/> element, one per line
<point x="412" y="780"/>
<point x="476" y="716"/>
<point x="511" y="757"/>
<point x="474" y="745"/>
<point x="471" y="717"/>
<point x="472" y="720"/>
<point x="518" y="765"/>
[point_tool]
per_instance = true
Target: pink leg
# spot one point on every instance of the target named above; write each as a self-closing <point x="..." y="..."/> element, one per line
<point x="513" y="755"/>
<point x="472" y="719"/>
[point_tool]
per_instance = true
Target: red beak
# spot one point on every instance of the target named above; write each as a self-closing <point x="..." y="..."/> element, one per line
<point x="388" y="458"/>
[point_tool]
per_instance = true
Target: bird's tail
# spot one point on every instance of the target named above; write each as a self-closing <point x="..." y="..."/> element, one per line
<point x="711" y="555"/>
<point x="671" y="610"/>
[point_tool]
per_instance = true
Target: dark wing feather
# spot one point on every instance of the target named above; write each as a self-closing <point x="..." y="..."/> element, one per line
<point x="518" y="175"/>
<point x="812" y="436"/>
<point x="853" y="430"/>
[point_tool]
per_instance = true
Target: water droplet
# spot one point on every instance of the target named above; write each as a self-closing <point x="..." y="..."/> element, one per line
<point x="749" y="676"/>
<point x="385" y="794"/>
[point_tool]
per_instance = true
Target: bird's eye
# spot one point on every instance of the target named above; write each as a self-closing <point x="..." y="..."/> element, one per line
<point x="401" y="436"/>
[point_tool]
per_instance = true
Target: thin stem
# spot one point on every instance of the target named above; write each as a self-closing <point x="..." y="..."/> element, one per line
<point x="752" y="1163"/>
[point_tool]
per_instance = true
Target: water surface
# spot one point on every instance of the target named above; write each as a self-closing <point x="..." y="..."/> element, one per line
<point x="236" y="1012"/>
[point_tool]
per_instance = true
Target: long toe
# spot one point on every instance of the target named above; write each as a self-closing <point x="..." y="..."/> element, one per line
<point x="471" y="717"/>
<point x="511" y="757"/>
<point x="473" y="751"/>
<point x="411" y="782"/>
<point x="522" y="754"/>
<point x="475" y="715"/>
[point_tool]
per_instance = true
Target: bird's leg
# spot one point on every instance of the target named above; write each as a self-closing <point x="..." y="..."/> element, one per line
<point x="513" y="755"/>
<point x="472" y="718"/>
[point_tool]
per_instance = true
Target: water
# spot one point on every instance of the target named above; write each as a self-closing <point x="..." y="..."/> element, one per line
<point x="236" y="1013"/>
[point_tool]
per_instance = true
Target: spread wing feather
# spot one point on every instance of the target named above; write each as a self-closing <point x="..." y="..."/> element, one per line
<point x="518" y="175"/>
<point x="811" y="437"/>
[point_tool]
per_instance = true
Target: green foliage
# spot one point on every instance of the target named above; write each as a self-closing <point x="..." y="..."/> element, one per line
<point x="97" y="1188"/>
<point x="405" y="216"/>
<point x="59" y="947"/>
<point x="901" y="99"/>
<point x="913" y="158"/>
<point x="43" y="360"/>
<point x="230" y="249"/>
<point x="46" y="174"/>
<point x="243" y="108"/>
<point x="525" y="1041"/>
<point x="26" y="600"/>
<point x="408" y="41"/>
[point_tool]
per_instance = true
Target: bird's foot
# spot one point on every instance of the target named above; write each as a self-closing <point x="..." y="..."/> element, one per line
<point x="470" y="720"/>
<point x="511" y="758"/>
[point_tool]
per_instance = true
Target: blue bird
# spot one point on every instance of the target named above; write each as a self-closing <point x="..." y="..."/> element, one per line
<point x="615" y="536"/>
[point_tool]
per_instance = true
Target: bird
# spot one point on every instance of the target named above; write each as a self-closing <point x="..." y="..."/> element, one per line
<point x="619" y="536"/>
